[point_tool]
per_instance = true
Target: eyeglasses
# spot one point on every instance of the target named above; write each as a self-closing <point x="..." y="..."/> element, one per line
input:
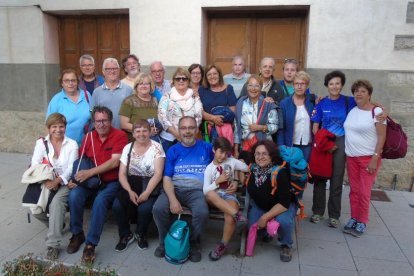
<point x="101" y="122"/>
<point x="157" y="71"/>
<point x="212" y="74"/>
<point x="111" y="69"/>
<point x="87" y="65"/>
<point x="191" y="128"/>
<point x="261" y="154"/>
<point x="195" y="73"/>
<point x="180" y="78"/>
<point x="299" y="84"/>
<point x="70" y="81"/>
<point x="254" y="86"/>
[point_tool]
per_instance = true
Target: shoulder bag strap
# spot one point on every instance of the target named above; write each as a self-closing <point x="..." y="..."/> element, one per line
<point x="129" y="157"/>
<point x="47" y="150"/>
<point x="94" y="156"/>
<point x="47" y="155"/>
<point x="260" y="112"/>
<point x="86" y="95"/>
<point x="83" y="151"/>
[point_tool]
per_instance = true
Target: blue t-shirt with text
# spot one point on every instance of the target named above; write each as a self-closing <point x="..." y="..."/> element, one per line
<point x="331" y="114"/>
<point x="188" y="162"/>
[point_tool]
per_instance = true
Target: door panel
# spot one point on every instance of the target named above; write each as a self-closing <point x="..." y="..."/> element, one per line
<point x="99" y="36"/>
<point x="280" y="39"/>
<point x="255" y="37"/>
<point x="228" y="38"/>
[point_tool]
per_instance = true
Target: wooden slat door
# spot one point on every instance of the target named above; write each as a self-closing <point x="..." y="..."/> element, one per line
<point x="228" y="38"/>
<point x="280" y="38"/>
<point x="254" y="37"/>
<point x="99" y="36"/>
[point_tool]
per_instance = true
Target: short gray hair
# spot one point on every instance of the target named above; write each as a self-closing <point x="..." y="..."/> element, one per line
<point x="238" y="57"/>
<point x="155" y="62"/>
<point x="267" y="58"/>
<point x="88" y="57"/>
<point x="108" y="60"/>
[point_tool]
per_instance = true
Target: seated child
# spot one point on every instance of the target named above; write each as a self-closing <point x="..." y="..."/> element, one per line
<point x="220" y="187"/>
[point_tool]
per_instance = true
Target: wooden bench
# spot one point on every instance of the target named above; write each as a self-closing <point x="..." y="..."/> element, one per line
<point x="214" y="213"/>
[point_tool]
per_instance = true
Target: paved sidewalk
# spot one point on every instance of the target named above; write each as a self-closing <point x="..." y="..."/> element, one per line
<point x="386" y="249"/>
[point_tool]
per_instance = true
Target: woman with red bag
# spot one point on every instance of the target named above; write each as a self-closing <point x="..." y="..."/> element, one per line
<point x="256" y="119"/>
<point x="364" y="140"/>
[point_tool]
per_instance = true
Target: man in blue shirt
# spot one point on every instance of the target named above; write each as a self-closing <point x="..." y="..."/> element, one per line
<point x="238" y="77"/>
<point x="113" y="92"/>
<point x="183" y="185"/>
<point x="89" y="80"/>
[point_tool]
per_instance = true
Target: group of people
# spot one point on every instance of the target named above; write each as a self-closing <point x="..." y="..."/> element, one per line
<point x="143" y="134"/>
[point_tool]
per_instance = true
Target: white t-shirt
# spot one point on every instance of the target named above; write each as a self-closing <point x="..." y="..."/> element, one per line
<point x="142" y="165"/>
<point x="212" y="173"/>
<point x="360" y="132"/>
<point x="301" y="133"/>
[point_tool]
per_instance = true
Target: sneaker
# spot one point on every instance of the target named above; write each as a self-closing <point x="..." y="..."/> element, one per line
<point x="75" y="242"/>
<point x="160" y="251"/>
<point x="52" y="253"/>
<point x="333" y="223"/>
<point x="195" y="253"/>
<point x="359" y="229"/>
<point x="315" y="218"/>
<point x="286" y="254"/>
<point x="349" y="226"/>
<point x="241" y="222"/>
<point x="218" y="251"/>
<point x="88" y="255"/>
<point x="142" y="241"/>
<point x="124" y="242"/>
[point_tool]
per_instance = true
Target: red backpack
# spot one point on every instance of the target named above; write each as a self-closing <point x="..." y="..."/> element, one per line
<point x="395" y="145"/>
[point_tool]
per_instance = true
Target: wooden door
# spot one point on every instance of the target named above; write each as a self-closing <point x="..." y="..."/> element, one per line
<point x="280" y="38"/>
<point x="228" y="38"/>
<point x="254" y="37"/>
<point x="99" y="36"/>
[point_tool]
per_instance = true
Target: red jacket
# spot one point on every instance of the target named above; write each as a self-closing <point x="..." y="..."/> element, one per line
<point x="320" y="163"/>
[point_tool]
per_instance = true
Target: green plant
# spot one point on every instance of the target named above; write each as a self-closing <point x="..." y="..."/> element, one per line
<point x="29" y="265"/>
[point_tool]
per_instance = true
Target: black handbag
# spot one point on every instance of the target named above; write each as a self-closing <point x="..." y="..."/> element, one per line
<point x="86" y="163"/>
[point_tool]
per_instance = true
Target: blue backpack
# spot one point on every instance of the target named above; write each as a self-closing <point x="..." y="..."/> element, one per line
<point x="177" y="242"/>
<point x="298" y="168"/>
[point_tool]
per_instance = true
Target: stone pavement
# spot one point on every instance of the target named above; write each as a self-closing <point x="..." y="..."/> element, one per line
<point x="386" y="249"/>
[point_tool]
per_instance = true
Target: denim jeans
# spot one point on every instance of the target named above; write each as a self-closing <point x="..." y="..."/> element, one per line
<point x="102" y="203"/>
<point x="144" y="217"/>
<point x="193" y="199"/>
<point x="285" y="219"/>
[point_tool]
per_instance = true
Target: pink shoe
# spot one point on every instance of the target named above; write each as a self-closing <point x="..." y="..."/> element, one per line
<point x="272" y="226"/>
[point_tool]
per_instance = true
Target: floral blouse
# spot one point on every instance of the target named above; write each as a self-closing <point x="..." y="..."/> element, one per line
<point x="173" y="106"/>
<point x="142" y="165"/>
<point x="249" y="115"/>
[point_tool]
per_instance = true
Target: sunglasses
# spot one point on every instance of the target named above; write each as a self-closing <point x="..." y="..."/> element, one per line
<point x="290" y="60"/>
<point x="180" y="78"/>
